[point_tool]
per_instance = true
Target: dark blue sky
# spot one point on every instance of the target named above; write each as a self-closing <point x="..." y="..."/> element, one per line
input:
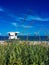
<point x="25" y="16"/>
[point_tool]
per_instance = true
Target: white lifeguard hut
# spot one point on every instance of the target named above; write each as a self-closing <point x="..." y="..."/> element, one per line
<point x="13" y="35"/>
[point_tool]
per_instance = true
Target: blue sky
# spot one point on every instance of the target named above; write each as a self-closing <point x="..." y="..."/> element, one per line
<point x="26" y="16"/>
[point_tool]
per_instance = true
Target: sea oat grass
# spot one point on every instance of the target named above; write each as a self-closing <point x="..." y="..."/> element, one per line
<point x="24" y="54"/>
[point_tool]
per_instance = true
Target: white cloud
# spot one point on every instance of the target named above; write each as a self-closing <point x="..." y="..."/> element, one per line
<point x="0" y="33"/>
<point x="1" y="9"/>
<point x="14" y="24"/>
<point x="27" y="18"/>
<point x="16" y="18"/>
<point x="26" y="26"/>
<point x="30" y="18"/>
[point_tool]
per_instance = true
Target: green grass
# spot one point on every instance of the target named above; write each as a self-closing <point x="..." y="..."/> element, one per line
<point x="24" y="54"/>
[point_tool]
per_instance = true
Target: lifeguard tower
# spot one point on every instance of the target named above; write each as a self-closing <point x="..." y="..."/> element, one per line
<point x="13" y="35"/>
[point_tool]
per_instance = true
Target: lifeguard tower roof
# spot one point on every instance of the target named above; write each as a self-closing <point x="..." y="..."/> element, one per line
<point x="13" y="35"/>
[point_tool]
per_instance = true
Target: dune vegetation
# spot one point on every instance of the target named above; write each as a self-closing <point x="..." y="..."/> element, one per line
<point x="24" y="54"/>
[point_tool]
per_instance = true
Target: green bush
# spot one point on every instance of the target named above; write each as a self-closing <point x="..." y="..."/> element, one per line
<point x="24" y="54"/>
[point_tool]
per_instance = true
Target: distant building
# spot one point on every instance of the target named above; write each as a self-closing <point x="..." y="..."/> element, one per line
<point x="13" y="35"/>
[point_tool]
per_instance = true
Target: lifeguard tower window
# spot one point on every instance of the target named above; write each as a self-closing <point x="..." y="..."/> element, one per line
<point x="15" y="34"/>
